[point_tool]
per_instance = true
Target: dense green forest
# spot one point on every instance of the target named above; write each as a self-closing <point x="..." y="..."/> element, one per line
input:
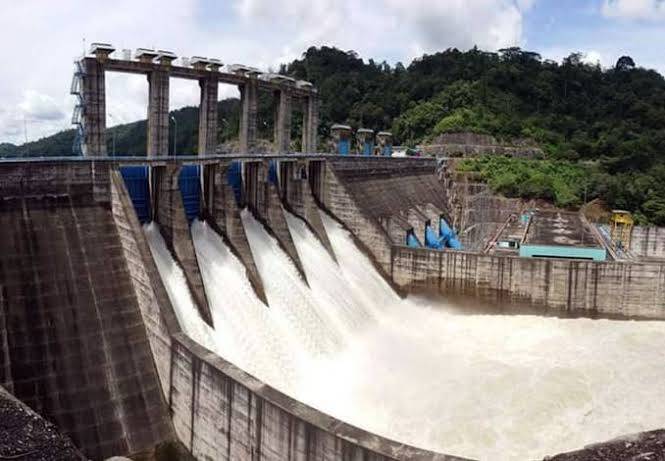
<point x="600" y="129"/>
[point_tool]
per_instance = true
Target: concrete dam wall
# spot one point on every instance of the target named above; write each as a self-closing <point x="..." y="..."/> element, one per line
<point x="378" y="208"/>
<point x="90" y="339"/>
<point x="74" y="346"/>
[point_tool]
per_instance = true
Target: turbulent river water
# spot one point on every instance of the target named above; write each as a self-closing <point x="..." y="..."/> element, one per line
<point x="492" y="387"/>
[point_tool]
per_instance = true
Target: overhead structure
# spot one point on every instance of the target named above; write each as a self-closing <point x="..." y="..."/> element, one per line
<point x="621" y="229"/>
<point x="365" y="141"/>
<point x="160" y="66"/>
<point x="341" y="139"/>
<point x="384" y="140"/>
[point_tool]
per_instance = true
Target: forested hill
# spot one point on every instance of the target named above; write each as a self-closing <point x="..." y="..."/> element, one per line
<point x="608" y="123"/>
<point x="602" y="128"/>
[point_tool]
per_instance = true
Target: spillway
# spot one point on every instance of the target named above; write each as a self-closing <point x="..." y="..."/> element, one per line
<point x="484" y="386"/>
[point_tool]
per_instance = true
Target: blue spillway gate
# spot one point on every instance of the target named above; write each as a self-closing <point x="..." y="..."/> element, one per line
<point x="138" y="186"/>
<point x="190" y="188"/>
<point x="234" y="178"/>
<point x="272" y="173"/>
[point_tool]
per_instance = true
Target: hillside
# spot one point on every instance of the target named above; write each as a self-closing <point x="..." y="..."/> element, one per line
<point x="604" y="121"/>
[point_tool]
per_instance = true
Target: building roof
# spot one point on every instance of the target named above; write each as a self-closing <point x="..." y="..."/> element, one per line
<point x="559" y="228"/>
<point x="105" y="47"/>
<point x="147" y="52"/>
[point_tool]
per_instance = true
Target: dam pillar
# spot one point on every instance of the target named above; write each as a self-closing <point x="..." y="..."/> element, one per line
<point x="310" y="123"/>
<point x="222" y="212"/>
<point x="174" y="226"/>
<point x="249" y="103"/>
<point x="282" y="133"/>
<point x="158" y="113"/>
<point x="208" y="116"/>
<point x="298" y="198"/>
<point x="262" y="196"/>
<point x="93" y="95"/>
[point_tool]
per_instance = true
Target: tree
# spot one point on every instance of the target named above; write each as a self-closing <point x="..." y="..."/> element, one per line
<point x="625" y="63"/>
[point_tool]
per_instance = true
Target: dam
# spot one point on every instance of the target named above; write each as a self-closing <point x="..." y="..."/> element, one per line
<point x="270" y="307"/>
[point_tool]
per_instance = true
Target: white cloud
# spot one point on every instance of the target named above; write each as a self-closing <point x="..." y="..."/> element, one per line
<point x="651" y="10"/>
<point x="592" y="57"/>
<point x="40" y="107"/>
<point x="37" y="71"/>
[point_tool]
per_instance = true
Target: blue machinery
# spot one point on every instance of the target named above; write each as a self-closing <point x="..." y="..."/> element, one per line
<point x="411" y="239"/>
<point x="446" y="238"/>
<point x="447" y="235"/>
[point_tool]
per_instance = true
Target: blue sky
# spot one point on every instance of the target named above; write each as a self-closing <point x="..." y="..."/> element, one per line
<point x="35" y="76"/>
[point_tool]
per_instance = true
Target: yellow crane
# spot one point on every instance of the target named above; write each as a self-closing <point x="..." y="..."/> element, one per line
<point x="621" y="229"/>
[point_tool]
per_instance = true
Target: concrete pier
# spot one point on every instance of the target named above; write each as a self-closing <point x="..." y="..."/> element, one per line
<point x="223" y="214"/>
<point x="208" y="116"/>
<point x="282" y="128"/>
<point x="263" y="199"/>
<point x="249" y="106"/>
<point x="94" y="108"/>
<point x="170" y="214"/>
<point x="159" y="67"/>
<point x="158" y="114"/>
<point x="310" y="124"/>
<point x="297" y="196"/>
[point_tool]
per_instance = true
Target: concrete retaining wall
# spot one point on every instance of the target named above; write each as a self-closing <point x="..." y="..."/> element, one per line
<point x="222" y="413"/>
<point x="648" y="242"/>
<point x="590" y="288"/>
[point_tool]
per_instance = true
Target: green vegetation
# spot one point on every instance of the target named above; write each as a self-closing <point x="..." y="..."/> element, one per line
<point x="561" y="182"/>
<point x="604" y="122"/>
<point x="568" y="184"/>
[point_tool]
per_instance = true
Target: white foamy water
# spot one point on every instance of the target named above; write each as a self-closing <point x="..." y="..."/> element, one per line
<point x="491" y="387"/>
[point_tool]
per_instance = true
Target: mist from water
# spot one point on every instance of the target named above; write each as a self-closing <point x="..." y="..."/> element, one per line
<point x="491" y="387"/>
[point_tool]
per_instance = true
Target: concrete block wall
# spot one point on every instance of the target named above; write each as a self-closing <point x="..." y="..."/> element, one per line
<point x="76" y="350"/>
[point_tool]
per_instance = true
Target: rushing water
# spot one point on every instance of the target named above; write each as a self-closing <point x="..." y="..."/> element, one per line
<point x="493" y="387"/>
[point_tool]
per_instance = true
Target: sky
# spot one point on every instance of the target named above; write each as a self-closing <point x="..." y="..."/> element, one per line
<point x="42" y="38"/>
